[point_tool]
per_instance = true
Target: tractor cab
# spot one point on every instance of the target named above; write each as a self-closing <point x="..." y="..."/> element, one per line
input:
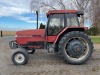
<point x="59" y="19"/>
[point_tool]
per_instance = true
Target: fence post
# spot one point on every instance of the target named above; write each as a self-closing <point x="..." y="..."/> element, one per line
<point x="1" y="34"/>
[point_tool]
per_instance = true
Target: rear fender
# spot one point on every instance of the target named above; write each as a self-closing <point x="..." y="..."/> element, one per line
<point x="66" y="30"/>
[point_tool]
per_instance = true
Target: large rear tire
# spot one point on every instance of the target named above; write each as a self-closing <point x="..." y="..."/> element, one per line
<point x="75" y="47"/>
<point x="20" y="57"/>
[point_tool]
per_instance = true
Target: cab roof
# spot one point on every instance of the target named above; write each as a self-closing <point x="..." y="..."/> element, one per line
<point x="61" y="11"/>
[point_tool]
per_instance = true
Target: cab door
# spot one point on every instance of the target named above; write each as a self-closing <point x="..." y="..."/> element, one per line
<point x="54" y="27"/>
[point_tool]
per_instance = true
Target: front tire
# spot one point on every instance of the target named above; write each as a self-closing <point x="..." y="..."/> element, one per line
<point x="75" y="47"/>
<point x="20" y="57"/>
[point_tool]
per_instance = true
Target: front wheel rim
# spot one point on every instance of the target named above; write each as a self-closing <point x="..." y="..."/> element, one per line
<point x="19" y="58"/>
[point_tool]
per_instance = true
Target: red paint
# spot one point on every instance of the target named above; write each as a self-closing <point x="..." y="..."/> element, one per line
<point x="23" y="37"/>
<point x="61" y="11"/>
<point x="50" y="38"/>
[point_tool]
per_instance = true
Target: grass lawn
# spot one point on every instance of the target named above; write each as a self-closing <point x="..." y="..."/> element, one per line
<point x="95" y="39"/>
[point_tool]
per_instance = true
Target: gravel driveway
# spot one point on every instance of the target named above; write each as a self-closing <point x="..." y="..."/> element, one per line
<point x="42" y="63"/>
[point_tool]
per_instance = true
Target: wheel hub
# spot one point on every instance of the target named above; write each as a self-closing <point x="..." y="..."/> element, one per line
<point x="75" y="48"/>
<point x="19" y="58"/>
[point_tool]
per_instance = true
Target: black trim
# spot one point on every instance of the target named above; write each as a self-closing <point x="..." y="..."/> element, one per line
<point x="38" y="43"/>
<point x="48" y="24"/>
<point x="65" y="21"/>
<point x="46" y="32"/>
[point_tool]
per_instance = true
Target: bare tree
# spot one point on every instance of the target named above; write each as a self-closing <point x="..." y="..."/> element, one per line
<point x="59" y="4"/>
<point x="81" y="5"/>
<point x="96" y="12"/>
<point x="45" y="5"/>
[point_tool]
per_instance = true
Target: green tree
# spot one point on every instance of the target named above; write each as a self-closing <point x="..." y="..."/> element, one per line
<point x="93" y="31"/>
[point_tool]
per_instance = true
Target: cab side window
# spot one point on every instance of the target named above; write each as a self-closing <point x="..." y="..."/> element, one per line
<point x="72" y="20"/>
<point x="56" y="24"/>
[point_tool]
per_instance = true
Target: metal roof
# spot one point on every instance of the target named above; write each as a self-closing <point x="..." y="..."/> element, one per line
<point x="61" y="11"/>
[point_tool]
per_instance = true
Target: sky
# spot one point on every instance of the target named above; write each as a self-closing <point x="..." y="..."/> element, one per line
<point x="16" y="15"/>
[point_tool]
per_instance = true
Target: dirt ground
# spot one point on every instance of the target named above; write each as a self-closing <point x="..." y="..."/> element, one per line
<point x="42" y="63"/>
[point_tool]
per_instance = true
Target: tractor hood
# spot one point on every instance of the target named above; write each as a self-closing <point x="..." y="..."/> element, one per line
<point x="28" y="36"/>
<point x="31" y="33"/>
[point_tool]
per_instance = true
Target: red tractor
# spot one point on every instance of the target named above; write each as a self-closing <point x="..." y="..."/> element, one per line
<point x="63" y="34"/>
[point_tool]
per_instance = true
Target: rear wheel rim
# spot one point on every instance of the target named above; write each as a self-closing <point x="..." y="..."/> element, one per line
<point x="19" y="58"/>
<point x="85" y="51"/>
